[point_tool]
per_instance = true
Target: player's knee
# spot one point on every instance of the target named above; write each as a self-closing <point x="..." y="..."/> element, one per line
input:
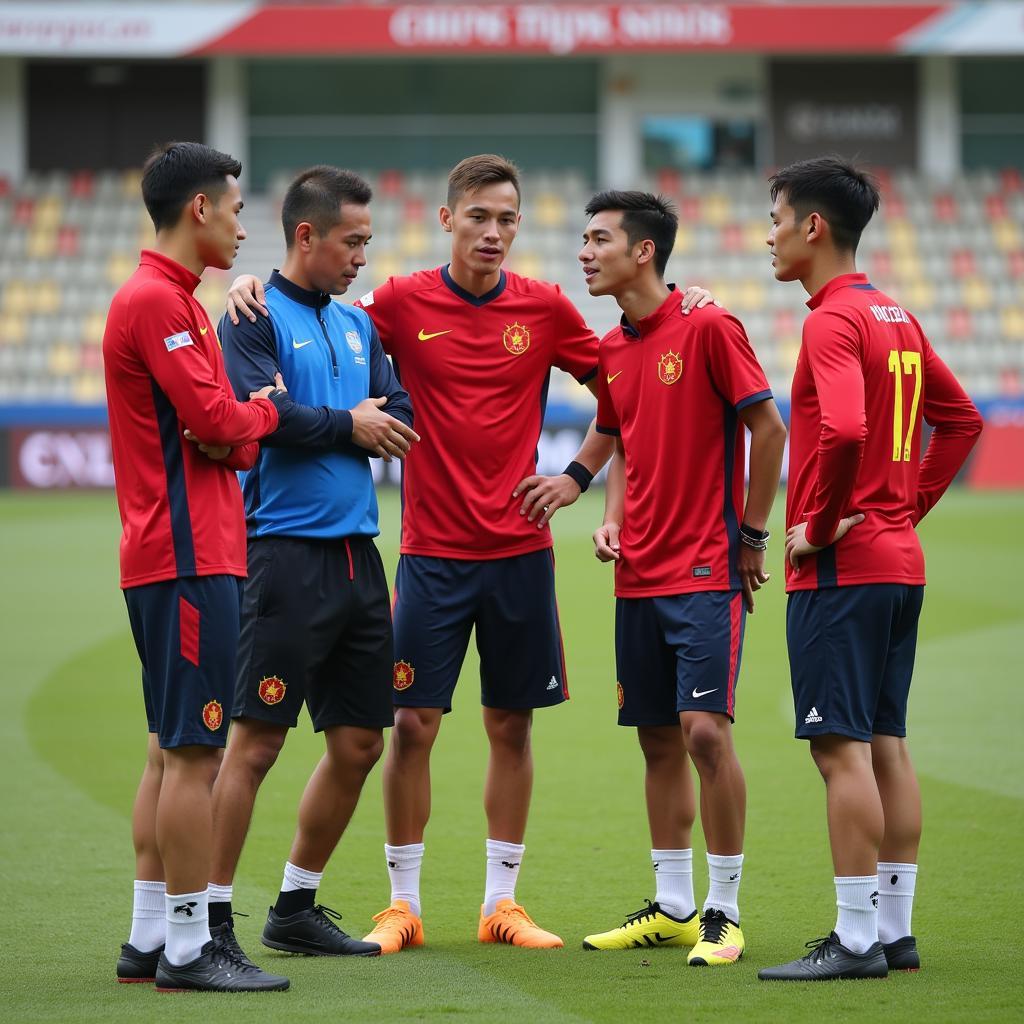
<point x="661" y="747"/>
<point x="258" y="752"/>
<point x="360" y="753"/>
<point x="705" y="741"/>
<point x="509" y="730"/>
<point x="415" y="731"/>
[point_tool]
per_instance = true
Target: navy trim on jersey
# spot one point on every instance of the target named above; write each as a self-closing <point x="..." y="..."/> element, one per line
<point x="864" y="287"/>
<point x="610" y="431"/>
<point x="761" y="396"/>
<point x="315" y="300"/>
<point x="177" y="496"/>
<point x="587" y="377"/>
<point x="826" y="563"/>
<point x="474" y="300"/>
<point x="732" y="526"/>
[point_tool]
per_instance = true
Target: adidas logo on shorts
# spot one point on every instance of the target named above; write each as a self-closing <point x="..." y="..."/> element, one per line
<point x="812" y="716"/>
<point x="553" y="683"/>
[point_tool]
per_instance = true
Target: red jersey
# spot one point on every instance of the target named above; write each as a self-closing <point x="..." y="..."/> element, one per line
<point x="181" y="512"/>
<point x="671" y="389"/>
<point x="476" y="369"/>
<point x="865" y="378"/>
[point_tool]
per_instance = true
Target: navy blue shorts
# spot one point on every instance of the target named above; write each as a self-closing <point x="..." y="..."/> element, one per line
<point x="677" y="653"/>
<point x="186" y="633"/>
<point x="316" y="627"/>
<point x="510" y="601"/>
<point x="851" y="658"/>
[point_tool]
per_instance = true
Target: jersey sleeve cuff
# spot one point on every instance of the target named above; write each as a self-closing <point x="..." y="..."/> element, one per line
<point x="611" y="431"/>
<point x="588" y="376"/>
<point x="760" y="396"/>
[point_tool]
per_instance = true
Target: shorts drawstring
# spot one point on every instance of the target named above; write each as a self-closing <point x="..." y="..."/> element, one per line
<point x="351" y="567"/>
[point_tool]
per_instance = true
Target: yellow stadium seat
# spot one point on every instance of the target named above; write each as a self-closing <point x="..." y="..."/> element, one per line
<point x="88" y="388"/>
<point x="684" y="239"/>
<point x="528" y="264"/>
<point x="550" y="210"/>
<point x="412" y="240"/>
<point x="977" y="293"/>
<point x="42" y="243"/>
<point x="386" y="263"/>
<point x="92" y="327"/>
<point x="13" y="329"/>
<point x="919" y="295"/>
<point x="756" y="233"/>
<point x="1007" y="235"/>
<point x="717" y="209"/>
<point x="120" y="267"/>
<point x="1011" y="322"/>
<point x="46" y="297"/>
<point x="48" y="212"/>
<point x="131" y="184"/>
<point x="750" y="295"/>
<point x="17" y="298"/>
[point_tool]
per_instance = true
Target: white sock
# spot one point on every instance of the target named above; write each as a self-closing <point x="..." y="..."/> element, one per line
<point x="188" y="926"/>
<point x="896" y="884"/>
<point x="404" y="863"/>
<point x="149" y="916"/>
<point x="299" y="878"/>
<point x="219" y="893"/>
<point x="503" y="860"/>
<point x="857" y="920"/>
<point x="673" y="879"/>
<point x="724" y="889"/>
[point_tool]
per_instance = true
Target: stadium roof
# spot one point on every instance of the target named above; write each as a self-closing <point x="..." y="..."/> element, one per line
<point x="253" y="28"/>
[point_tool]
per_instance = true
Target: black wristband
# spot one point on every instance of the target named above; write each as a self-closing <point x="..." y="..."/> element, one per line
<point x="749" y="531"/>
<point x="580" y="474"/>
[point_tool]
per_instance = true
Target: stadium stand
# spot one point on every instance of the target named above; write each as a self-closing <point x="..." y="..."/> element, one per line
<point x="953" y="253"/>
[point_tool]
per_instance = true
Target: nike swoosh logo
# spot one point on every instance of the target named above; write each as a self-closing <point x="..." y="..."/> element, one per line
<point x="301" y="344"/>
<point x="704" y="693"/>
<point x="612" y="376"/>
<point x="423" y="336"/>
<point x="203" y="330"/>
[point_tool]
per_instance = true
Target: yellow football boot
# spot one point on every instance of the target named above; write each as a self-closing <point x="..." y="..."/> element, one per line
<point x="721" y="941"/>
<point x="652" y="927"/>
<point x="511" y="924"/>
<point x="396" y="928"/>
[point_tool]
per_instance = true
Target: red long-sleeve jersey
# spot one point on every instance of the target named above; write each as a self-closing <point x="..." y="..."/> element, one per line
<point x="181" y="512"/>
<point x="865" y="379"/>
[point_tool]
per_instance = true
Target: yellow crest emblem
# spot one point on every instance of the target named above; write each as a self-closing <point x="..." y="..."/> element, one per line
<point x="213" y="715"/>
<point x="272" y="689"/>
<point x="620" y="695"/>
<point x="670" y="368"/>
<point x="404" y="675"/>
<point x="516" y="338"/>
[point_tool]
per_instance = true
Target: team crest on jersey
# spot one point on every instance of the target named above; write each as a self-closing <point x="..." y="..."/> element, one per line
<point x="272" y="689"/>
<point x="354" y="341"/>
<point x="213" y="715"/>
<point x="670" y="368"/>
<point x="516" y="338"/>
<point x="620" y="694"/>
<point x="404" y="675"/>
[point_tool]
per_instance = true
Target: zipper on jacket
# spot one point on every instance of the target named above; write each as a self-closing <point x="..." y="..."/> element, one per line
<point x="327" y="338"/>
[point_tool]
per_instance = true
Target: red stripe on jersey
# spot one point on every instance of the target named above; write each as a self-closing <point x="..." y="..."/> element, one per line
<point x="736" y="612"/>
<point x="188" y="630"/>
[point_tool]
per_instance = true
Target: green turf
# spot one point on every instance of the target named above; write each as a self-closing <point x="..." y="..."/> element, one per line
<point x="72" y="733"/>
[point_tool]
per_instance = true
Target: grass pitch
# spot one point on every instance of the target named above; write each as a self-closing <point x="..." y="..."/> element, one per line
<point x="73" y="736"/>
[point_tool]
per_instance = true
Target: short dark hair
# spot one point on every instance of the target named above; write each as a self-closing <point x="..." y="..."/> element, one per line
<point x="476" y="171"/>
<point x="644" y="215"/>
<point x="176" y="172"/>
<point x="316" y="196"/>
<point x="843" y="194"/>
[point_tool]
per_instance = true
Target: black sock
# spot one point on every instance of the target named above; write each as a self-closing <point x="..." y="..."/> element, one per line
<point x="293" y="902"/>
<point x="220" y="913"/>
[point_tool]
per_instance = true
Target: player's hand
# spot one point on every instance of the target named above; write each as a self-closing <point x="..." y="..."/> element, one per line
<point x="246" y="297"/>
<point x="797" y="544"/>
<point x="378" y="432"/>
<point x="211" y="451"/>
<point x="278" y="385"/>
<point x="606" y="543"/>
<point x="543" y="496"/>
<point x="696" y="297"/>
<point x="751" y="571"/>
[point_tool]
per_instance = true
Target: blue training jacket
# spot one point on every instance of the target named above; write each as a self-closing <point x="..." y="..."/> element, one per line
<point x="310" y="479"/>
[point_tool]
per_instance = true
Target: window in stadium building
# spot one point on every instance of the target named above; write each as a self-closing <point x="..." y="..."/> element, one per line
<point x="992" y="111"/>
<point x="690" y="143"/>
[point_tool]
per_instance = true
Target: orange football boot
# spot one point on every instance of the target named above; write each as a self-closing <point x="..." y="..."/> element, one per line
<point x="396" y="928"/>
<point x="510" y="923"/>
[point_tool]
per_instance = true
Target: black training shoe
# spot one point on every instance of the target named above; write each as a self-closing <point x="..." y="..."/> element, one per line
<point x="313" y="932"/>
<point x="902" y="955"/>
<point x="830" y="960"/>
<point x="134" y="966"/>
<point x="224" y="939"/>
<point x="215" y="971"/>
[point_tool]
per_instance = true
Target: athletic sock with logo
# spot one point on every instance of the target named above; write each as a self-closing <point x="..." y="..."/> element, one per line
<point x="188" y="928"/>
<point x="220" y="903"/>
<point x="857" y="903"/>
<point x="896" y="883"/>
<point x="724" y="874"/>
<point x="503" y="860"/>
<point x="673" y="879"/>
<point x="149" y="916"/>
<point x="298" y="890"/>
<point x="404" y="863"/>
